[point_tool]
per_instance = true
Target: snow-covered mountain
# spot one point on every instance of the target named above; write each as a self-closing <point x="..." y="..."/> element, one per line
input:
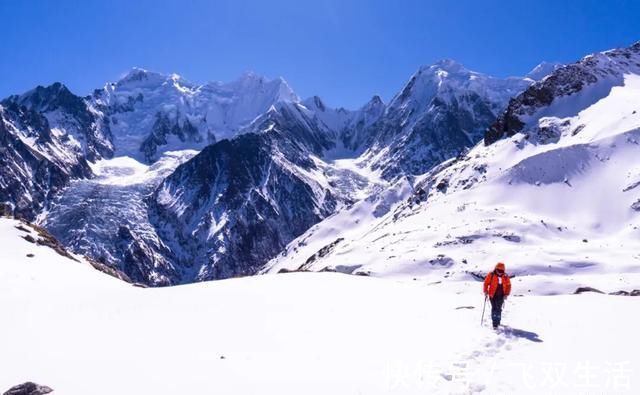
<point x="238" y="203"/>
<point x="553" y="192"/>
<point x="590" y="79"/>
<point x="117" y="218"/>
<point x="150" y="113"/>
<point x="46" y="137"/>
<point x="288" y="163"/>
<point x="76" y="123"/>
<point x="443" y="109"/>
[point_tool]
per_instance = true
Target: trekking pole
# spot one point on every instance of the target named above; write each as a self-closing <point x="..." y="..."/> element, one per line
<point x="483" y="307"/>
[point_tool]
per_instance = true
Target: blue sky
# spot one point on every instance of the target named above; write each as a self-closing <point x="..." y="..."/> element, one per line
<point x="345" y="51"/>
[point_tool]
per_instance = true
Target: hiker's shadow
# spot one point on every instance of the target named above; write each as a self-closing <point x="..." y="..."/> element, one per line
<point x="513" y="332"/>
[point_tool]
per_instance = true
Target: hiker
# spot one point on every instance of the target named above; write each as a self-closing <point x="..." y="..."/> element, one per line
<point x="497" y="287"/>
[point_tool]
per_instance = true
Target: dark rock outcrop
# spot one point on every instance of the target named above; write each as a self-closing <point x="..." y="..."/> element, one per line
<point x="580" y="290"/>
<point x="28" y="388"/>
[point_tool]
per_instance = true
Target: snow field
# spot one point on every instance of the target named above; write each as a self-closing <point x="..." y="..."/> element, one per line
<point x="79" y="331"/>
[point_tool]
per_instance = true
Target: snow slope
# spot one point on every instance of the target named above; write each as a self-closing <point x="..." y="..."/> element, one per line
<point x="557" y="201"/>
<point x="81" y="332"/>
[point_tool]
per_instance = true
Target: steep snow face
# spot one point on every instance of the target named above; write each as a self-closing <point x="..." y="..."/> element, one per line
<point x="150" y="113"/>
<point x="558" y="201"/>
<point x="443" y="109"/>
<point x="338" y="335"/>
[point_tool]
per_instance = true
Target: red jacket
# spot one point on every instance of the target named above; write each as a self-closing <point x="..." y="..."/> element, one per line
<point x="491" y="284"/>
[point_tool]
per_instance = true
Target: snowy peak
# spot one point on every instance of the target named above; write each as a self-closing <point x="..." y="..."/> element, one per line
<point x="76" y="126"/>
<point x="37" y="161"/>
<point x="48" y="98"/>
<point x="443" y="109"/>
<point x="250" y="84"/>
<point x="542" y="70"/>
<point x="566" y="91"/>
<point x="151" y="113"/>
<point x="448" y="66"/>
<point x="141" y="78"/>
<point x="376" y="104"/>
<point x="449" y="80"/>
<point x="315" y="103"/>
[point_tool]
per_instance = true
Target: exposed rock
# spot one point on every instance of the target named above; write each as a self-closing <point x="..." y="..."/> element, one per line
<point x="28" y="388"/>
<point x="512" y="238"/>
<point x="6" y="210"/>
<point x="621" y="292"/>
<point x="47" y="239"/>
<point x="442" y="186"/>
<point x="324" y="251"/>
<point x="113" y="272"/>
<point x="635" y="292"/>
<point x="587" y="289"/>
<point x="22" y="228"/>
<point x="285" y="270"/>
<point x="442" y="260"/>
